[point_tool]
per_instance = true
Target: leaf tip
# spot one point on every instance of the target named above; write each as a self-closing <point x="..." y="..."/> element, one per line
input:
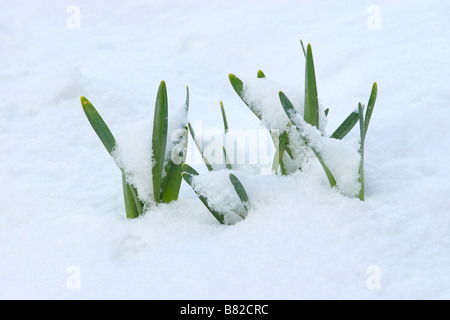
<point x="260" y="75"/>
<point x="282" y="95"/>
<point x="375" y="87"/>
<point x="162" y="87"/>
<point x="83" y="100"/>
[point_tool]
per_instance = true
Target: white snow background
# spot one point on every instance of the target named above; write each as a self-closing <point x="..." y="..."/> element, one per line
<point x="61" y="202"/>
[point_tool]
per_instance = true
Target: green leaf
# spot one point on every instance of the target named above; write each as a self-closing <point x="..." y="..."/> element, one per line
<point x="242" y="194"/>
<point x="260" y="75"/>
<point x="130" y="205"/>
<point x="292" y="114"/>
<point x="370" y="106"/>
<point x="311" y="97"/>
<point x="346" y="126"/>
<point x="171" y="181"/>
<point x="227" y="160"/>
<point x="303" y="48"/>
<point x="225" y="125"/>
<point x="326" y="112"/>
<point x="330" y="176"/>
<point x="98" y="125"/>
<point x="187" y="176"/>
<point x="186" y="103"/>
<point x="188" y="169"/>
<point x="199" y="147"/>
<point x="363" y="126"/>
<point x="361" y="150"/>
<point x="170" y="186"/>
<point x="238" y="86"/>
<point x="159" y="139"/>
<point x="282" y="146"/>
<point x="224" y="117"/>
<point x="353" y="118"/>
<point x="288" y="108"/>
<point x="108" y="140"/>
<point x="288" y="150"/>
<point x="138" y="203"/>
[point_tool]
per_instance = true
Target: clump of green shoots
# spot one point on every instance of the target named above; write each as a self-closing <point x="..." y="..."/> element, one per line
<point x="168" y="165"/>
<point x="166" y="170"/>
<point x="311" y="118"/>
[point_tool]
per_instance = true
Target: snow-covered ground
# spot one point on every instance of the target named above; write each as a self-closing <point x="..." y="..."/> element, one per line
<point x="63" y="231"/>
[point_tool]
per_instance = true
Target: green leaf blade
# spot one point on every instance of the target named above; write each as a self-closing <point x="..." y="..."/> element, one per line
<point x="224" y="117"/>
<point x="346" y="126"/>
<point x="133" y="206"/>
<point x="242" y="194"/>
<point x="280" y="149"/>
<point x="186" y="103"/>
<point x="361" y="151"/>
<point x="260" y="75"/>
<point x="227" y="160"/>
<point x="328" y="173"/>
<point x="188" y="169"/>
<point x="303" y="48"/>
<point x="159" y="139"/>
<point x="370" y="107"/>
<point x="311" y="113"/>
<point x="131" y="209"/>
<point x="199" y="147"/>
<point x="188" y="177"/>
<point x="238" y="86"/>
<point x="99" y="126"/>
<point x="288" y="107"/>
<point x="170" y="186"/>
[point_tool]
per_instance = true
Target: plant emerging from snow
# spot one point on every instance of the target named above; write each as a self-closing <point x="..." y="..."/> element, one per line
<point x="167" y="156"/>
<point x="297" y="133"/>
<point x="303" y="130"/>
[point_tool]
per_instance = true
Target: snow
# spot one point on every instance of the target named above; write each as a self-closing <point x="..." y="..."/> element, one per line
<point x="61" y="203"/>
<point x="217" y="188"/>
<point x="133" y="153"/>
<point x="264" y="95"/>
<point x="176" y="133"/>
<point x="133" y="150"/>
